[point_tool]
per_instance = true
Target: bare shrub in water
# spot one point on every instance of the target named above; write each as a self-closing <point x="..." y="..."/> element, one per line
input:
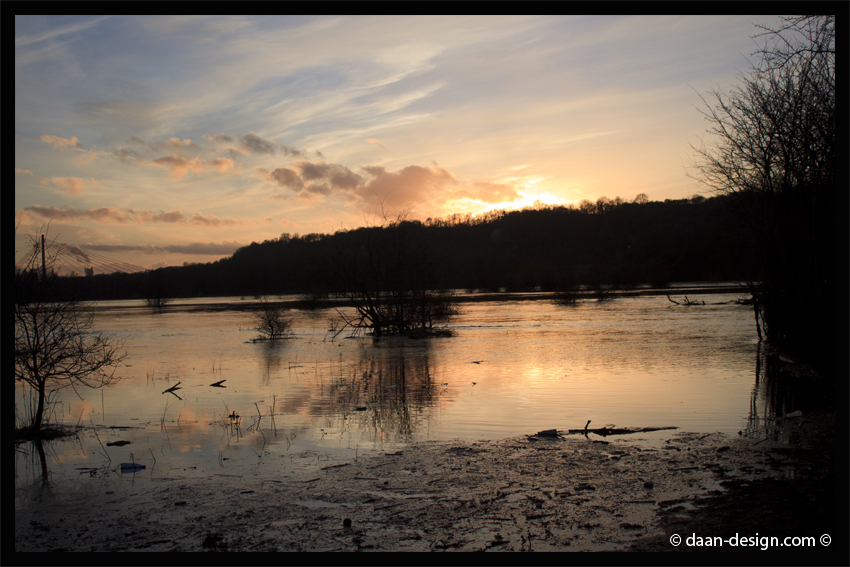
<point x="270" y="321"/>
<point x="385" y="272"/>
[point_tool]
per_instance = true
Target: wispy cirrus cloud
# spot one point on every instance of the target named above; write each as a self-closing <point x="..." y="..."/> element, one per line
<point x="26" y="39"/>
<point x="189" y="104"/>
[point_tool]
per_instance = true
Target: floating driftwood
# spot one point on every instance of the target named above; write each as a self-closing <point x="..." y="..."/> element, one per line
<point x="117" y="443"/>
<point x="218" y="384"/>
<point x="174" y="387"/>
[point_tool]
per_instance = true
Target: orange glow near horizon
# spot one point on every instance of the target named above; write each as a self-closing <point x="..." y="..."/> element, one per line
<point x="158" y="170"/>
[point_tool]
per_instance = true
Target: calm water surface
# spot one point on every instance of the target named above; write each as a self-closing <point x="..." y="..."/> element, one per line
<point x="514" y="367"/>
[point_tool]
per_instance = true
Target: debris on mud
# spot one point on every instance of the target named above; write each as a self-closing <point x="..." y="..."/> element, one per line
<point x="518" y="494"/>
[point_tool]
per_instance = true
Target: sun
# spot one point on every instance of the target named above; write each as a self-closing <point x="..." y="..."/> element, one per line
<point x="528" y="197"/>
<point x="535" y="200"/>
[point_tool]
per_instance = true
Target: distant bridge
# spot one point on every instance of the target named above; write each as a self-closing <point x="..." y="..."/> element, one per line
<point x="69" y="259"/>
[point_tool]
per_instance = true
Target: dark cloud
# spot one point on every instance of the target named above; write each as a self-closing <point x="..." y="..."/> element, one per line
<point x="338" y="176"/>
<point x="221" y="138"/>
<point x="214" y="221"/>
<point x="285" y="177"/>
<point x="315" y="178"/>
<point x="318" y="189"/>
<point x="381" y="188"/>
<point x="257" y="145"/>
<point x="211" y="248"/>
<point x="113" y="215"/>
<point x="311" y="171"/>
<point x="124" y="153"/>
<point x="287" y="151"/>
<point x="102" y="214"/>
<point x="173" y="216"/>
<point x="344" y="178"/>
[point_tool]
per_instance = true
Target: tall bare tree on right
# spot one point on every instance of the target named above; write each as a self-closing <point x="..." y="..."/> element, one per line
<point x="772" y="145"/>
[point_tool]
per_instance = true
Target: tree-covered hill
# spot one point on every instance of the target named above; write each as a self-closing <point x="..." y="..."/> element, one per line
<point x="608" y="242"/>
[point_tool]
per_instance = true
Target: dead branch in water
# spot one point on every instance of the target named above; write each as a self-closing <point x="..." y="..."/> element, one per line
<point x="687" y="302"/>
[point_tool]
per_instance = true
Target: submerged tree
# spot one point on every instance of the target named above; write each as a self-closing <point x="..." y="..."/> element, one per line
<point x="55" y="345"/>
<point x="773" y="147"/>
<point x="271" y="322"/>
<point x="157" y="298"/>
<point x="387" y="274"/>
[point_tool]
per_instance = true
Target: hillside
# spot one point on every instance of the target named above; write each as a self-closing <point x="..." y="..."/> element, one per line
<point x="617" y="244"/>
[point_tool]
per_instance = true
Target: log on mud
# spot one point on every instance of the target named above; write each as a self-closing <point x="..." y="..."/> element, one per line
<point x="605" y="431"/>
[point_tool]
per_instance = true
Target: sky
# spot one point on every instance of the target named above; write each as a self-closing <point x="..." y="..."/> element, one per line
<point x="163" y="140"/>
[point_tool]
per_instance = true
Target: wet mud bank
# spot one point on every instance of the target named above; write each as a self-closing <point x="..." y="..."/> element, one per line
<point x="567" y="493"/>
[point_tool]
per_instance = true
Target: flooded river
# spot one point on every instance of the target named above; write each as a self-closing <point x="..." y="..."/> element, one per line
<point x="514" y="367"/>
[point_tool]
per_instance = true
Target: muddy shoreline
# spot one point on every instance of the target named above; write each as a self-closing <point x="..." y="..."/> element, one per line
<point x="566" y="493"/>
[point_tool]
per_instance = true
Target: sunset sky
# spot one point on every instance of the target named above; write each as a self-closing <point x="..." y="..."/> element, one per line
<point x="163" y="140"/>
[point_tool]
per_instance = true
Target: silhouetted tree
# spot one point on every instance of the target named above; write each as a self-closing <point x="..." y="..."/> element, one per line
<point x="54" y="344"/>
<point x="387" y="274"/>
<point x="773" y="146"/>
<point x="270" y="321"/>
<point x="157" y="296"/>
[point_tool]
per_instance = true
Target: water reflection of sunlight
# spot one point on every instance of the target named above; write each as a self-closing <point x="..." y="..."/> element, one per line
<point x="632" y="362"/>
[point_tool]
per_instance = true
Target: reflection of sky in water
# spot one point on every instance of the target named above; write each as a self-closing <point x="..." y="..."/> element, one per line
<point x="630" y="362"/>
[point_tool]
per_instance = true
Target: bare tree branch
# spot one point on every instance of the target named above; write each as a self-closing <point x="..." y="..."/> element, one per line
<point x="55" y="346"/>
